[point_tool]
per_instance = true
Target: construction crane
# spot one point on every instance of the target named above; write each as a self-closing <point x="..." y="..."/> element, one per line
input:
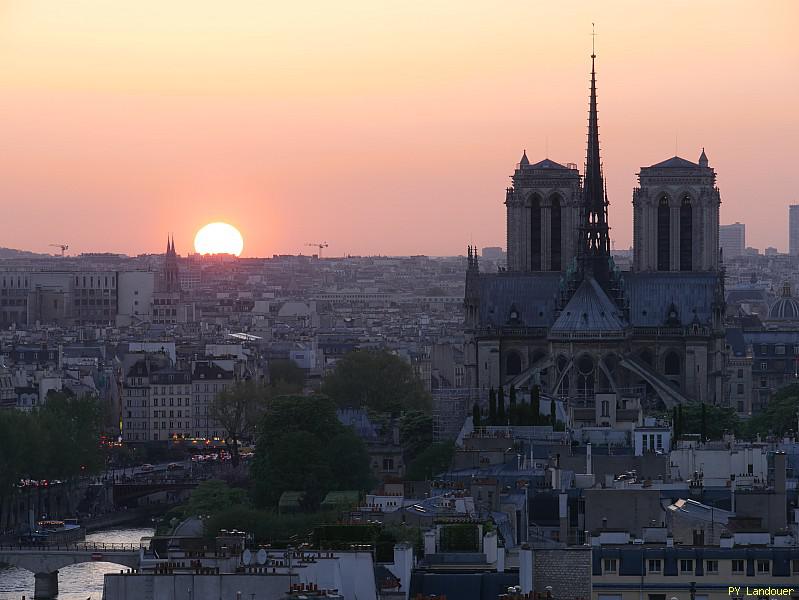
<point x="64" y="248"/>
<point x="321" y="246"/>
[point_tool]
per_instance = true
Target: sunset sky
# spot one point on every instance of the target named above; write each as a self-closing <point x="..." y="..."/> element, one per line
<point x="380" y="127"/>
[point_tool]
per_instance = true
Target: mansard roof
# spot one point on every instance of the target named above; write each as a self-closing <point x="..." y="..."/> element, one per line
<point x="589" y="309"/>
<point x="675" y="162"/>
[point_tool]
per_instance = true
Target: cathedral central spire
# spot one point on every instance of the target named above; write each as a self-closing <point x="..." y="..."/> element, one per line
<point x="594" y="247"/>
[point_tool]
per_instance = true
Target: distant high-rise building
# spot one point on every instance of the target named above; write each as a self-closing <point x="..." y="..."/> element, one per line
<point x="493" y="253"/>
<point x="732" y="239"/>
<point x="793" y="229"/>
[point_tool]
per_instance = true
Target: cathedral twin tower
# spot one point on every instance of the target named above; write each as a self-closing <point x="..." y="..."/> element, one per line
<point x="563" y="317"/>
<point x="675" y="213"/>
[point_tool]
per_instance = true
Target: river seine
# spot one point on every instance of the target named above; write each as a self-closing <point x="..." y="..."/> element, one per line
<point x="76" y="582"/>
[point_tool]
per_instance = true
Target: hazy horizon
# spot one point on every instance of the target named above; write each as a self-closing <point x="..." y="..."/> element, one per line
<point x="383" y="130"/>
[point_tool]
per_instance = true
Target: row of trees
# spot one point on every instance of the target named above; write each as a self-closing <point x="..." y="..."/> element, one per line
<point x="711" y="422"/>
<point x="60" y="440"/>
<point x="516" y="412"/>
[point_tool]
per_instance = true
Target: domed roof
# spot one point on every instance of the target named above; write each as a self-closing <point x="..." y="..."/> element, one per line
<point x="786" y="308"/>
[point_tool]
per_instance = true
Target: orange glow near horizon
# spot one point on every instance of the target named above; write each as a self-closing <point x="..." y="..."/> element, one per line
<point x="384" y="128"/>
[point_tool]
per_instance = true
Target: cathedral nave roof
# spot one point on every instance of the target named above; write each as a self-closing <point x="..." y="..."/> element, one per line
<point x="589" y="309"/>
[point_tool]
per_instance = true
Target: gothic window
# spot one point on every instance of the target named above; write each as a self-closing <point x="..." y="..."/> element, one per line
<point x="664" y="234"/>
<point x="535" y="234"/>
<point x="671" y="365"/>
<point x="686" y="234"/>
<point x="554" y="236"/>
<point x="513" y="364"/>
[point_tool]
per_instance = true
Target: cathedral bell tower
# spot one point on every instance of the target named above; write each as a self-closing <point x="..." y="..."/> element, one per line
<point x="676" y="217"/>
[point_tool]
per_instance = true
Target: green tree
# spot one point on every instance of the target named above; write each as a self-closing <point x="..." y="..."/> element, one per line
<point x="17" y="439"/>
<point x="416" y="432"/>
<point x="213" y="496"/>
<point x="349" y="465"/>
<point x="376" y="379"/>
<point x="717" y="420"/>
<point x="432" y="461"/>
<point x="779" y="416"/>
<point x="476" y="415"/>
<point x="313" y="414"/>
<point x="492" y="407"/>
<point x="501" y="418"/>
<point x="703" y="423"/>
<point x="286" y="375"/>
<point x="266" y="525"/>
<point x="302" y="446"/>
<point x="238" y="409"/>
<point x="71" y="427"/>
<point x="297" y="461"/>
<point x="512" y="406"/>
<point x="535" y="402"/>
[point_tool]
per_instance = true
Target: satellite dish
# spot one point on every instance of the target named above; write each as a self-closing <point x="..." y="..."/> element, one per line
<point x="261" y="557"/>
<point x="246" y="557"/>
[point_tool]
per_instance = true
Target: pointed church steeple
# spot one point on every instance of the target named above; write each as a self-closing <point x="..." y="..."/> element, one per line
<point x="170" y="275"/>
<point x="594" y="248"/>
<point x="524" y="160"/>
<point x="703" y="159"/>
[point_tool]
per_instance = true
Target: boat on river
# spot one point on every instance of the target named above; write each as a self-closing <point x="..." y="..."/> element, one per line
<point x="55" y="531"/>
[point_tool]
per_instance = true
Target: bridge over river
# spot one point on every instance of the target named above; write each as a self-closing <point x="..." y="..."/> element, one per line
<point x="44" y="560"/>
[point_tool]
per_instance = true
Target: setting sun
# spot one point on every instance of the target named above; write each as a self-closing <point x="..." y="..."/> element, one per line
<point x="218" y="238"/>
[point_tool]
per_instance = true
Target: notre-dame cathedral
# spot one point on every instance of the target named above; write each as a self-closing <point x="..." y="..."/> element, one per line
<point x="564" y="317"/>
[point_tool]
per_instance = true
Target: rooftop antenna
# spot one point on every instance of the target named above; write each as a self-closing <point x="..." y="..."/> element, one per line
<point x="593" y="40"/>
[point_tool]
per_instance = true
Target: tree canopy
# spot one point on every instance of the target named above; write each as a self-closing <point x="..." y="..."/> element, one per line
<point x="60" y="440"/>
<point x="707" y="420"/>
<point x="780" y="415"/>
<point x="416" y="432"/>
<point x="286" y="375"/>
<point x="213" y="496"/>
<point x="238" y="410"/>
<point x="433" y="460"/>
<point x="302" y="446"/>
<point x="376" y="379"/>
